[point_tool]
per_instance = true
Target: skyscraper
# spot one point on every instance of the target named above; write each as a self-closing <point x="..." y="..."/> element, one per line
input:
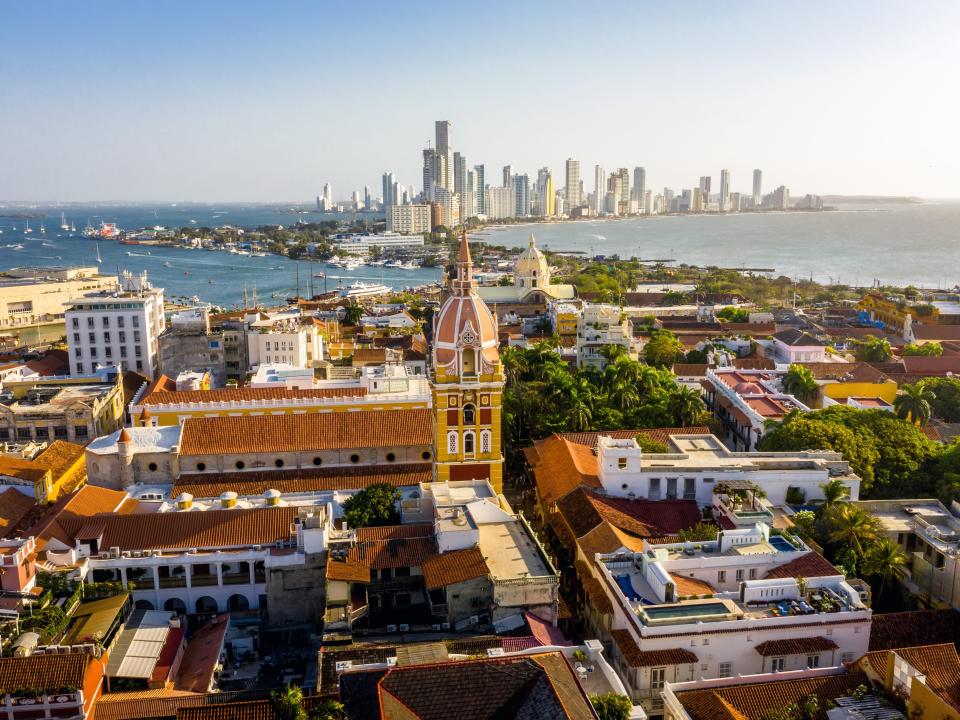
<point x="480" y="196"/>
<point x="639" y="187"/>
<point x="388" y="182"/>
<point x="367" y="200"/>
<point x="459" y="172"/>
<point x="724" y="190"/>
<point x="546" y="200"/>
<point x="757" y="187"/>
<point x="705" y="186"/>
<point x="600" y="189"/>
<point x="622" y="190"/>
<point x="442" y="130"/>
<point x="327" y="197"/>
<point x="572" y="187"/>
<point x="508" y="175"/>
<point x="521" y="194"/>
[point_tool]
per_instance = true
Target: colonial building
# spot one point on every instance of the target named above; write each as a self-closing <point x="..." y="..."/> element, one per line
<point x="467" y="383"/>
<point x="531" y="282"/>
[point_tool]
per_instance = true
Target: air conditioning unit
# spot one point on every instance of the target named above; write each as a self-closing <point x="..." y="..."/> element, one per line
<point x="126" y="554"/>
<point x="391" y="628"/>
<point x="115" y="551"/>
<point x="404" y="627"/>
<point x="392" y="661"/>
<point x="257" y="548"/>
<point x="104" y="555"/>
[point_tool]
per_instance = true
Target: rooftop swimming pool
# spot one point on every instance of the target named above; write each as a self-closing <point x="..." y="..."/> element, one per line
<point x="708" y="611"/>
<point x="781" y="544"/>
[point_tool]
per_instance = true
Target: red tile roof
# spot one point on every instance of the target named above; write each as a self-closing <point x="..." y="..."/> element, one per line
<point x="53" y="362"/>
<point x="453" y="567"/>
<point x="312" y="431"/>
<point x="246" y="394"/>
<point x="347" y="570"/>
<point x="202" y="655"/>
<point x="917" y="627"/>
<point x="795" y="646"/>
<point x="43" y="672"/>
<point x="14" y="506"/>
<point x="636" y="657"/>
<point x="812" y="564"/>
<point x="584" y="509"/>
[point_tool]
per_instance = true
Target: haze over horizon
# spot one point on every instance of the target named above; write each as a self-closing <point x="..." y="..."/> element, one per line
<point x="248" y="102"/>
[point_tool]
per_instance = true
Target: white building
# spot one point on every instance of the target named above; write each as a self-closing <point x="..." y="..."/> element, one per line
<point x="794" y="346"/>
<point x="384" y="241"/>
<point x="601" y="325"/>
<point x="409" y="219"/>
<point x="117" y="328"/>
<point x="284" y="340"/>
<point x="500" y="203"/>
<point x="572" y="189"/>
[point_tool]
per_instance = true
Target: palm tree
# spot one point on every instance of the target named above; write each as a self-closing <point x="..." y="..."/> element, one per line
<point x="515" y="364"/>
<point x="853" y="527"/>
<point x="288" y="703"/>
<point x="874" y="349"/>
<point x="834" y="492"/>
<point x="329" y="710"/>
<point x="886" y="560"/>
<point x="800" y="382"/>
<point x="914" y="403"/>
<point x="685" y="405"/>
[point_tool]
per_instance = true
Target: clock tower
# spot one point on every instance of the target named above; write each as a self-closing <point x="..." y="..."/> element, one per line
<point x="467" y="383"/>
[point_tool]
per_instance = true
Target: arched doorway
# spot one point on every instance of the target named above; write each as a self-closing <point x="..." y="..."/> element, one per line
<point x="238" y="602"/>
<point x="175" y="605"/>
<point x="207" y="604"/>
<point x="143" y="605"/>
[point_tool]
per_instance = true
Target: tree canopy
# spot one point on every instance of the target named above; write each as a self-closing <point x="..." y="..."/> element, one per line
<point x="374" y="505"/>
<point x="663" y="349"/>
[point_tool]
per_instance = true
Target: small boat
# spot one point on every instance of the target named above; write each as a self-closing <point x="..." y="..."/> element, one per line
<point x="26" y="228"/>
<point x="73" y="228"/>
<point x="168" y="264"/>
<point x="100" y="259"/>
<point x="63" y="222"/>
<point x="43" y="230"/>
<point x="361" y="289"/>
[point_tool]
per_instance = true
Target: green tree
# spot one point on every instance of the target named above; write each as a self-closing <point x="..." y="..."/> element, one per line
<point x="698" y="533"/>
<point x="612" y="706"/>
<point x="374" y="505"/>
<point x="914" y="403"/>
<point x="885" y="560"/>
<point x="328" y="710"/>
<point x="853" y="527"/>
<point x="352" y="314"/>
<point x="732" y="314"/>
<point x="800" y="382"/>
<point x="930" y="349"/>
<point x="685" y="406"/>
<point x="288" y="703"/>
<point x="835" y="491"/>
<point x="873" y="349"/>
<point x="649" y="445"/>
<point x="946" y="401"/>
<point x="663" y="349"/>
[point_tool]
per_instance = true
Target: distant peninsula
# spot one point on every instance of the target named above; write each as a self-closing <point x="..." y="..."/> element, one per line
<point x="872" y="200"/>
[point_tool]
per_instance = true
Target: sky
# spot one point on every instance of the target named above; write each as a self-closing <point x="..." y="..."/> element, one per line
<point x="181" y="100"/>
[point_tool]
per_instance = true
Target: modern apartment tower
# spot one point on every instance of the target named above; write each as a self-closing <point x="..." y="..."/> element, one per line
<point x="479" y="197"/>
<point x="572" y="188"/>
<point x="705" y="181"/>
<point x="639" y="187"/>
<point x="459" y="172"/>
<point x="521" y="194"/>
<point x="724" y="190"/>
<point x="442" y="128"/>
<point x="508" y="175"/>
<point x="389" y="182"/>
<point x="600" y="189"/>
<point x="757" y="187"/>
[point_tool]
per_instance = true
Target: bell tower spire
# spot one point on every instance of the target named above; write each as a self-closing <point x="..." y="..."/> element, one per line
<point x="464" y="284"/>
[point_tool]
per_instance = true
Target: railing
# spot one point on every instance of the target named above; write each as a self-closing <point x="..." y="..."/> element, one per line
<point x="173" y="582"/>
<point x="236" y="578"/>
<point x="203" y="580"/>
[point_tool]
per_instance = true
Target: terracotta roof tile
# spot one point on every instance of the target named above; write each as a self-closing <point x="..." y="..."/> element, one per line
<point x="659" y="434"/>
<point x="394" y="532"/>
<point x="393" y="553"/>
<point x="60" y="456"/>
<point x="691" y="586"/>
<point x="202" y="655"/>
<point x="584" y="510"/>
<point x="559" y="466"/>
<point x="246" y="394"/>
<point x="159" y="703"/>
<point x="812" y="564"/>
<point x="312" y="431"/>
<point x="42" y="671"/>
<point x="745" y="702"/>
<point x="14" y="506"/>
<point x="795" y="646"/>
<point x="239" y="527"/>
<point x="347" y="570"/>
<point x="918" y="627"/>
<point x="89" y="500"/>
<point x="454" y="567"/>
<point x="25" y="470"/>
<point x="355" y="477"/>
<point x="941" y="667"/>
<point x="53" y="362"/>
<point x="636" y="657"/>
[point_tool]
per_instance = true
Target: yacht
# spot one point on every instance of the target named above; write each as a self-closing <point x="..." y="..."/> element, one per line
<point x="63" y="222"/>
<point x="89" y="231"/>
<point x="26" y="228"/>
<point x="361" y="289"/>
<point x="43" y="230"/>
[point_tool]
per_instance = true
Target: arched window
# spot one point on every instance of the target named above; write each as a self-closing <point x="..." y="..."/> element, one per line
<point x="452" y="442"/>
<point x="468" y="443"/>
<point x="486" y="440"/>
<point x="469" y="360"/>
<point x="469" y="414"/>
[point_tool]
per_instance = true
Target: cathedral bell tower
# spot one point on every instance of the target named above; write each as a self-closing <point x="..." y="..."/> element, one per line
<point x="467" y="383"/>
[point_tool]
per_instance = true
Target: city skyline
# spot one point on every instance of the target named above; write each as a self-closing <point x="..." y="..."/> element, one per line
<point x="853" y="106"/>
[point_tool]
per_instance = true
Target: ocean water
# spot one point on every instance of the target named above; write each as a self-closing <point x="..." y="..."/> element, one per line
<point x="897" y="244"/>
<point x="216" y="277"/>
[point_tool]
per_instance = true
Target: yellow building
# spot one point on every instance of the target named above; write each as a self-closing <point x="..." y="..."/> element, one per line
<point x="467" y="383"/>
<point x="897" y="316"/>
<point x="57" y="470"/>
<point x="565" y="317"/>
<point x="839" y="381"/>
<point x="926" y="677"/>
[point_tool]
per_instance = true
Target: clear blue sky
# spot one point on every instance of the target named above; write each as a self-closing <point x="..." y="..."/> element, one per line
<point x="203" y="100"/>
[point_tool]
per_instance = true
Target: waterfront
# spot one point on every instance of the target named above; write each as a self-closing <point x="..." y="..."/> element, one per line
<point x="899" y="244"/>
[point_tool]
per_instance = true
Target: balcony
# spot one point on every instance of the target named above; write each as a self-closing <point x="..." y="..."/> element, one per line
<point x="173" y="582"/>
<point x="203" y="580"/>
<point x="236" y="578"/>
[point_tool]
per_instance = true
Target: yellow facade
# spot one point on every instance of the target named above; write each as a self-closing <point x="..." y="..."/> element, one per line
<point x="840" y="391"/>
<point x="567" y="324"/>
<point x="894" y="314"/>
<point x="158" y="416"/>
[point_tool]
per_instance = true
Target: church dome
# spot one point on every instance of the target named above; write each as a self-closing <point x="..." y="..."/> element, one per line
<point x="532" y="269"/>
<point x="465" y="323"/>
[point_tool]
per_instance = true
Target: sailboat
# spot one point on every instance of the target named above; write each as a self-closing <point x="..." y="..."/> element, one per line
<point x="99" y="259"/>
<point x="43" y="230"/>
<point x="63" y="222"/>
<point x="73" y="228"/>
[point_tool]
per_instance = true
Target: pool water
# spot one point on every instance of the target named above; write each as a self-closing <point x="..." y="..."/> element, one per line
<point x="670" y="612"/>
<point x="781" y="544"/>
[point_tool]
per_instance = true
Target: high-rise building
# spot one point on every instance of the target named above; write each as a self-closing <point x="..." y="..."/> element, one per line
<point x="705" y="181"/>
<point x="572" y="189"/>
<point x="468" y="198"/>
<point x="622" y="191"/>
<point x="367" y="200"/>
<point x="648" y="208"/>
<point x="117" y="328"/>
<point x="508" y="175"/>
<point x="445" y="178"/>
<point x="389" y="183"/>
<point x="409" y="219"/>
<point x="724" y="190"/>
<point x="480" y="196"/>
<point x="449" y="204"/>
<point x="757" y="187"/>
<point x="546" y="200"/>
<point x="600" y="189"/>
<point x="521" y="194"/>
<point x="499" y="203"/>
<point x="459" y="172"/>
<point x="442" y="128"/>
<point x="639" y="187"/>
<point x="397" y="194"/>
